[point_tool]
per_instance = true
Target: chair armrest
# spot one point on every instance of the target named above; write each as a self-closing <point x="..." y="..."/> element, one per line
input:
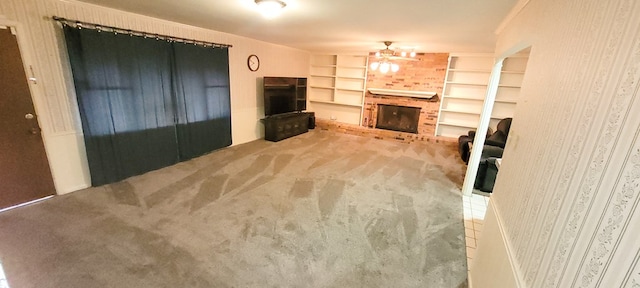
<point x="491" y="151"/>
<point x="494" y="143"/>
<point x="472" y="133"/>
<point x="498" y="139"/>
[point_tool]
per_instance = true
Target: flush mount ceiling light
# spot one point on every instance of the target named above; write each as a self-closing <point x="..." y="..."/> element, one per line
<point x="388" y="54"/>
<point x="270" y="8"/>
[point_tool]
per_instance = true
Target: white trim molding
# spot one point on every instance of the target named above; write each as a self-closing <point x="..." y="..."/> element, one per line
<point x="502" y="270"/>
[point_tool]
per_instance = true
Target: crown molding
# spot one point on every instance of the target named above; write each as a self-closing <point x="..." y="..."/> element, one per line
<point x="512" y="14"/>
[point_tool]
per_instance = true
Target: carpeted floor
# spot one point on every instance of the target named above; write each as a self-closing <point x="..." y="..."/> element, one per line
<point x="318" y="210"/>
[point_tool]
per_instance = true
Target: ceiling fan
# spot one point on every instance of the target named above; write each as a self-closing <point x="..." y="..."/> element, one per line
<point x="392" y="54"/>
<point x="385" y="65"/>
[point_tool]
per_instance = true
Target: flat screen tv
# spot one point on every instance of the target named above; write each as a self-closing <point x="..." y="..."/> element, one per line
<point x="284" y="95"/>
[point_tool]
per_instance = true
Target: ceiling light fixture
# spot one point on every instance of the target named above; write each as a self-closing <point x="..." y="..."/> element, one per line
<point x="387" y="54"/>
<point x="270" y="8"/>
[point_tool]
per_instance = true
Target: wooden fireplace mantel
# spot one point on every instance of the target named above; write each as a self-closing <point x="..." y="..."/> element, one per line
<point x="402" y="93"/>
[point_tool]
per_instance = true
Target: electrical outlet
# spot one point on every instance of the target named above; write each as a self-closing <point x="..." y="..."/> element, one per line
<point x="333" y="117"/>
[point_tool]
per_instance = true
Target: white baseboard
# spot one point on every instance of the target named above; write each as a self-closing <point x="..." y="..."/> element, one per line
<point x="494" y="265"/>
<point x="68" y="162"/>
<point x="70" y="189"/>
<point x="509" y="249"/>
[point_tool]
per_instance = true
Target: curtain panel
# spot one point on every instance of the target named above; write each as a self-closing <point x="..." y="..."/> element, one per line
<point x="147" y="104"/>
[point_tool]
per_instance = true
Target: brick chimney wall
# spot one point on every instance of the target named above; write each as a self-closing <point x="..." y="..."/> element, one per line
<point x="426" y="74"/>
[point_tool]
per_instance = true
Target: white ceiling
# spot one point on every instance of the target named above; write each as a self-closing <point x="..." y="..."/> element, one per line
<point x="342" y="25"/>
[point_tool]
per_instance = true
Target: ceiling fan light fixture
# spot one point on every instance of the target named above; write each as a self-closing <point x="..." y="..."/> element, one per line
<point x="384" y="67"/>
<point x="386" y="57"/>
<point x="270" y="8"/>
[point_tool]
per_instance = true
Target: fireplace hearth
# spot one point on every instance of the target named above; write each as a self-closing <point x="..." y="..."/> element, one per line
<point x="398" y="118"/>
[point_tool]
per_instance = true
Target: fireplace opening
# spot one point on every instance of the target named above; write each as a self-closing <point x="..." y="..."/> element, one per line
<point x="398" y="118"/>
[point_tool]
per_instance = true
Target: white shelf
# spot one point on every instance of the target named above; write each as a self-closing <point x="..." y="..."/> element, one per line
<point x="458" y="125"/>
<point x="460" y="111"/>
<point x="350" y="77"/>
<point x="350" y="89"/>
<point x="464" y="83"/>
<point x="513" y="101"/>
<point x="499" y="117"/>
<point x="463" y="97"/>
<point x="335" y="103"/>
<point x="466" y="80"/>
<point x="321" y="87"/>
<point x="470" y="70"/>
<point x="455" y="116"/>
<point x="349" y="74"/>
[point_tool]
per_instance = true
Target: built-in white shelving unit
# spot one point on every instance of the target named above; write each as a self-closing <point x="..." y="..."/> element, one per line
<point x="337" y="87"/>
<point x="465" y="89"/>
<point x="511" y="76"/>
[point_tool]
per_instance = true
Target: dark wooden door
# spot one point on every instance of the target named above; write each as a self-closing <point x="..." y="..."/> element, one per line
<point x="24" y="169"/>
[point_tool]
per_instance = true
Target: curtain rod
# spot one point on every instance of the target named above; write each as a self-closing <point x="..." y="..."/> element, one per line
<point x="81" y="25"/>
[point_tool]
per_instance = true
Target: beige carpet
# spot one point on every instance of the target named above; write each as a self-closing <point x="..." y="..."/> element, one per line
<point x="318" y="210"/>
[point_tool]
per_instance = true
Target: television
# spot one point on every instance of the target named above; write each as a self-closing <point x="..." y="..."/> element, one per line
<point x="284" y="95"/>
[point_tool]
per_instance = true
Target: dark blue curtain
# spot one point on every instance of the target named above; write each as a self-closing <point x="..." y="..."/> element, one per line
<point x="203" y="106"/>
<point x="147" y="104"/>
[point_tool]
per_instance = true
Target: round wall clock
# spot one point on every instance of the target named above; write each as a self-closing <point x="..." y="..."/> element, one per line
<point x="253" y="62"/>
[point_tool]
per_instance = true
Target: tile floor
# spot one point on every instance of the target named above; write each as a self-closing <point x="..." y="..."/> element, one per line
<point x="3" y="278"/>
<point x="475" y="207"/>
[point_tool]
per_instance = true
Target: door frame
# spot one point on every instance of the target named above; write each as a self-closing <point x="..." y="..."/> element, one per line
<point x="35" y="90"/>
<point x="485" y="116"/>
<point x="483" y="126"/>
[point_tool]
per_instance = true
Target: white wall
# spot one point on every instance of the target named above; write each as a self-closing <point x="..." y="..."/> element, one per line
<point x="495" y="247"/>
<point x="569" y="186"/>
<point x="42" y="45"/>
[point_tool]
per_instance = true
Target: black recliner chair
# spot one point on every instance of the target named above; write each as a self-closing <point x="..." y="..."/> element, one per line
<point x="464" y="144"/>
<point x="496" y="140"/>
<point x="491" y="151"/>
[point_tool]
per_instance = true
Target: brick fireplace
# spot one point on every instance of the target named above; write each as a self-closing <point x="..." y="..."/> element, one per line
<point x="427" y="117"/>
<point x="427" y="74"/>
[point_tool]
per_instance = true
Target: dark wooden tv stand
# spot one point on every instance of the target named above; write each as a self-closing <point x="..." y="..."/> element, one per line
<point x="282" y="126"/>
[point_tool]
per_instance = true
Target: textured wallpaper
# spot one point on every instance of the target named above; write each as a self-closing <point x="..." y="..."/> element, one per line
<point x="569" y="185"/>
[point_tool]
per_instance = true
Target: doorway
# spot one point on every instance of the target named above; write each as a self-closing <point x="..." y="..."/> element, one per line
<point x="500" y="103"/>
<point x="502" y="97"/>
<point x="24" y="169"/>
